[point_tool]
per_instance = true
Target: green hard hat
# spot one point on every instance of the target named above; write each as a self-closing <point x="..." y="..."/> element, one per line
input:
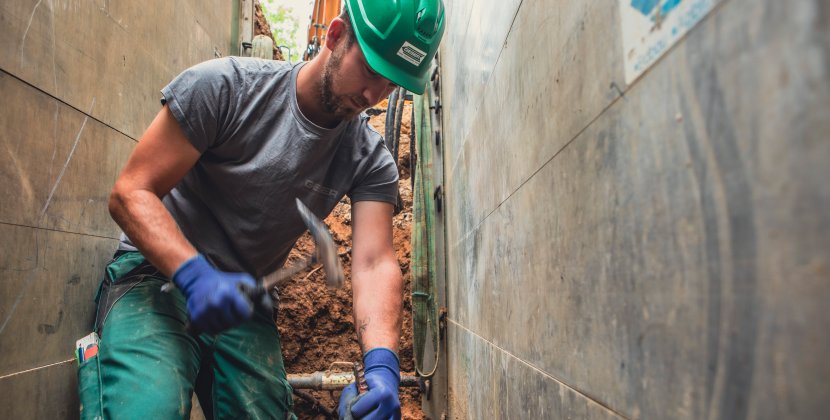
<point x="399" y="37"/>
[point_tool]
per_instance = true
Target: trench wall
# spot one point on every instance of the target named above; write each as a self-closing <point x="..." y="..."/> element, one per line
<point x="80" y="81"/>
<point x="653" y="250"/>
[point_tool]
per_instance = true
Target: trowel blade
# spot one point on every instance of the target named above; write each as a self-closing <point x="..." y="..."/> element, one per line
<point x="326" y="249"/>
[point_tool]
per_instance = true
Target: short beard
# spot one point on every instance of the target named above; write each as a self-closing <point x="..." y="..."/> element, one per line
<point x="332" y="103"/>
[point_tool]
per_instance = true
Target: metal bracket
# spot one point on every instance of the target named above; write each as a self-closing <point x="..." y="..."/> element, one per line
<point x="437" y="107"/>
<point x="442" y="322"/>
<point x="436" y="79"/>
<point x="425" y="386"/>
<point x="246" y="49"/>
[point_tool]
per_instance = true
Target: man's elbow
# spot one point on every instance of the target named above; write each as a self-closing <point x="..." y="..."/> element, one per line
<point x="117" y="202"/>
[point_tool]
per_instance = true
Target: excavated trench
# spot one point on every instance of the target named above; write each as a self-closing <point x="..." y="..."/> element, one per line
<point x="316" y="323"/>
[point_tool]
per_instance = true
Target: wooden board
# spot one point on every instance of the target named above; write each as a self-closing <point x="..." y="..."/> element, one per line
<point x="481" y="27"/>
<point x="80" y="82"/>
<point x="492" y="384"/>
<point x="552" y="78"/>
<point x="49" y="281"/>
<point x="667" y="256"/>
<point x="57" y="165"/>
<point x="41" y="394"/>
<point x="118" y="53"/>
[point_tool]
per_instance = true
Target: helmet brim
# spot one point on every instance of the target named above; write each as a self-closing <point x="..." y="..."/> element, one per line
<point x="398" y="41"/>
<point x="392" y="72"/>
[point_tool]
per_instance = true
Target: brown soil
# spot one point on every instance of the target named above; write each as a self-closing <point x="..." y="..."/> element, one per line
<point x="316" y="324"/>
<point x="261" y="27"/>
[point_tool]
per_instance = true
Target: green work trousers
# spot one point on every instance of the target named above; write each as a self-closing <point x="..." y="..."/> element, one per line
<point x="148" y="364"/>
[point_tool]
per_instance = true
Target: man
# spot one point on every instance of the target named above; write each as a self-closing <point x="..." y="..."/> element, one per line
<point x="207" y="199"/>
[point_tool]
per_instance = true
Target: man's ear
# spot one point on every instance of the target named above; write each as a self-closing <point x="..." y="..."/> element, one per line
<point x="336" y="33"/>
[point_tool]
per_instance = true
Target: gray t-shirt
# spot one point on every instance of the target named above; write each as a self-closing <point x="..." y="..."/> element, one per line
<point x="259" y="152"/>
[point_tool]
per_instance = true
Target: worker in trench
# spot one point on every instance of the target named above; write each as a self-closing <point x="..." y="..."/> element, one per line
<point x="207" y="200"/>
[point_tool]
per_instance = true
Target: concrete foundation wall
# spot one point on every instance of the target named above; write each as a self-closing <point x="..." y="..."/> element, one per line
<point x="653" y="250"/>
<point x="80" y="82"/>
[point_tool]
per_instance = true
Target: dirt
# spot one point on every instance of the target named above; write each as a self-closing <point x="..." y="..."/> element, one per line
<point x="261" y="27"/>
<point x="316" y="324"/>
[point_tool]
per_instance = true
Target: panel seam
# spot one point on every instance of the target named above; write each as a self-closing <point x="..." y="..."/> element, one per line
<point x="56" y="230"/>
<point x="21" y="80"/>
<point x="36" y="368"/>
<point x="543" y="373"/>
<point x="711" y="15"/>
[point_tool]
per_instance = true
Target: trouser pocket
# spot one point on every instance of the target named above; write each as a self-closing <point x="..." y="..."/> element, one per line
<point x="127" y="270"/>
<point x="89" y="389"/>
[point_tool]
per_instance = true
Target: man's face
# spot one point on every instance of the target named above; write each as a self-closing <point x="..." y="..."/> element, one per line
<point x="349" y="85"/>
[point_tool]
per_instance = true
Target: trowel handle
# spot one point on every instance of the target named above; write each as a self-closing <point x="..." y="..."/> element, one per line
<point x="258" y="296"/>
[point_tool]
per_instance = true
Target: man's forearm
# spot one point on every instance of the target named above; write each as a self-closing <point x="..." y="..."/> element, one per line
<point x="378" y="305"/>
<point x="151" y="228"/>
<point x="159" y="161"/>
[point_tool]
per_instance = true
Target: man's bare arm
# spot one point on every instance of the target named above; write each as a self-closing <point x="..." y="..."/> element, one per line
<point x="376" y="277"/>
<point x="159" y="161"/>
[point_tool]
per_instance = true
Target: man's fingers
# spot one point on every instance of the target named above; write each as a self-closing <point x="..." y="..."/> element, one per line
<point x="368" y="404"/>
<point x="347" y="398"/>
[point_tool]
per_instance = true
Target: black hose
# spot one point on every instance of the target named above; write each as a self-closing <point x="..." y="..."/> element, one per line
<point x="388" y="131"/>
<point x="390" y="137"/>
<point x="398" y="120"/>
<point x="397" y="141"/>
<point x="413" y="150"/>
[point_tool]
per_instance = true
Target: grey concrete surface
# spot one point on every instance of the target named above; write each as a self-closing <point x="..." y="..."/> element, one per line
<point x="480" y="28"/>
<point x="52" y="401"/>
<point x="58" y="164"/>
<point x="499" y="385"/>
<point x="119" y="52"/>
<point x="663" y="254"/>
<point x="80" y="82"/>
<point x="49" y="283"/>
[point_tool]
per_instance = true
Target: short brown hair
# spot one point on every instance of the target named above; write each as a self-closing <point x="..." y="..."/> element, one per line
<point x="350" y="36"/>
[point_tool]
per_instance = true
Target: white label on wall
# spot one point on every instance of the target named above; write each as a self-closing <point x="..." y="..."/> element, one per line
<point x="651" y="27"/>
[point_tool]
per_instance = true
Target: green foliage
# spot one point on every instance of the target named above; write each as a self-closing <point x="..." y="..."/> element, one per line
<point x="284" y="26"/>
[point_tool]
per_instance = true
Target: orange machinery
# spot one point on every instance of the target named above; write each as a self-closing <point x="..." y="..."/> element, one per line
<point x="324" y="11"/>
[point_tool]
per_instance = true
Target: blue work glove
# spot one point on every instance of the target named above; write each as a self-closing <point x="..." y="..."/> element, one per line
<point x="383" y="376"/>
<point x="347" y="398"/>
<point x="215" y="300"/>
